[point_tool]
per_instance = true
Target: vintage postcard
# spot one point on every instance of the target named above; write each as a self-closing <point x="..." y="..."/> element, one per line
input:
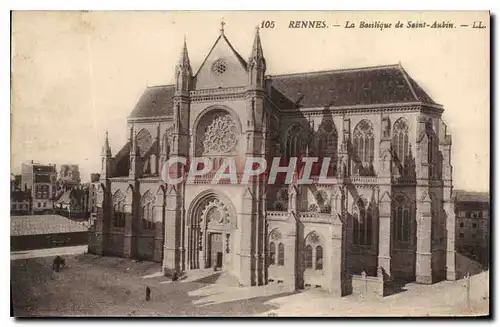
<point x="267" y="164"/>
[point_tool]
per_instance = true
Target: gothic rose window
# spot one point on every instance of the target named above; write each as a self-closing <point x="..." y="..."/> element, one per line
<point x="221" y="135"/>
<point x="219" y="67"/>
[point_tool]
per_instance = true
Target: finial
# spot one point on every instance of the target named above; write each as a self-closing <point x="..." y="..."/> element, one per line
<point x="222" y="23"/>
<point x="106" y="135"/>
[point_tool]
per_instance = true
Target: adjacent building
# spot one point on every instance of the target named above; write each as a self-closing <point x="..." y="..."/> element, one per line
<point x="40" y="180"/>
<point x="74" y="202"/>
<point x="388" y="215"/>
<point x="472" y="210"/>
<point x="69" y="175"/>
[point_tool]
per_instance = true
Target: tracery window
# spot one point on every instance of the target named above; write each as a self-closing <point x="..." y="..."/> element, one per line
<point x="221" y="135"/>
<point x="402" y="222"/>
<point x="313" y="252"/>
<point x="147" y="211"/>
<point x="362" y="226"/>
<point x="363" y="147"/>
<point x="294" y="141"/>
<point x="144" y="141"/>
<point x="400" y="143"/>
<point x="326" y="140"/>
<point x="276" y="237"/>
<point x="118" y="209"/>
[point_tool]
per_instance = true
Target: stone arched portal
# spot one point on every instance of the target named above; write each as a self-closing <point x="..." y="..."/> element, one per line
<point x="211" y="225"/>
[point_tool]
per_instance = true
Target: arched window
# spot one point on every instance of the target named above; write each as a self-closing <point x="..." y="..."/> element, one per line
<point x="281" y="254"/>
<point x="431" y="151"/>
<point x="309" y="256"/>
<point x="402" y="222"/>
<point x="119" y="209"/>
<point x="319" y="258"/>
<point x="143" y="141"/>
<point x="275" y="236"/>
<point x="363" y="147"/>
<point x="326" y="143"/>
<point x="147" y="210"/>
<point x="400" y="143"/>
<point x="313" y="254"/>
<point x="272" y="253"/>
<point x="362" y="227"/>
<point x="294" y="141"/>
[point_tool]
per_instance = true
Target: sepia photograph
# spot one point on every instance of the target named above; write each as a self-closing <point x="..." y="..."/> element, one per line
<point x="250" y="164"/>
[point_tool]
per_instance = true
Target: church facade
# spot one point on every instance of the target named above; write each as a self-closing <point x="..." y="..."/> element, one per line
<point x="387" y="214"/>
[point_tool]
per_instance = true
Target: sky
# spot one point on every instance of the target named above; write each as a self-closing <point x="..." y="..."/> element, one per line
<point x="77" y="74"/>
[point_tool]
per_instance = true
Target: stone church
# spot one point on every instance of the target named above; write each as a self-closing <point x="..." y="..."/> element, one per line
<point x="388" y="215"/>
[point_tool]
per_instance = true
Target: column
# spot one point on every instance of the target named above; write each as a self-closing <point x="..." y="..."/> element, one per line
<point x="171" y="253"/>
<point x="97" y="244"/>
<point x="158" y="211"/>
<point x="424" y="237"/>
<point x="339" y="281"/>
<point x="384" y="234"/>
<point x="449" y="209"/>
<point x="290" y="240"/>
<point x="129" y="233"/>
<point x="247" y="260"/>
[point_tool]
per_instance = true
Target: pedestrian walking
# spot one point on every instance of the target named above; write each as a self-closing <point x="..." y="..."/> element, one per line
<point x="148" y="293"/>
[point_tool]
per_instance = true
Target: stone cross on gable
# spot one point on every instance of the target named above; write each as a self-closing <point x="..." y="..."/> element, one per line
<point x="222" y="23"/>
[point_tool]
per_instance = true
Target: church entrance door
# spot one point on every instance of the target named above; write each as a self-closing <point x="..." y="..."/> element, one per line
<point x="215" y="249"/>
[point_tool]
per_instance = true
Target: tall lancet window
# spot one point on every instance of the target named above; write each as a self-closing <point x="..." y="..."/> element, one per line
<point x="362" y="224"/>
<point x="363" y="148"/>
<point x="294" y="141"/>
<point x="400" y="143"/>
<point x="147" y="210"/>
<point x="402" y="222"/>
<point x="119" y="209"/>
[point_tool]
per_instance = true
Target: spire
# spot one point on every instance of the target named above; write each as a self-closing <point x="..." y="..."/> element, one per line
<point x="184" y="59"/>
<point x="183" y="72"/>
<point x="106" y="149"/>
<point x="257" y="53"/>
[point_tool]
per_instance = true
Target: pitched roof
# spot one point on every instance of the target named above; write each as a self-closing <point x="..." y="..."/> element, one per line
<point x="43" y="224"/>
<point x="238" y="56"/>
<point x="155" y="101"/>
<point x="347" y="87"/>
<point x="468" y="196"/>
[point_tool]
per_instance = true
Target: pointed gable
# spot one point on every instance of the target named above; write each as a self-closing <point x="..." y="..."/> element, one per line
<point x="222" y="67"/>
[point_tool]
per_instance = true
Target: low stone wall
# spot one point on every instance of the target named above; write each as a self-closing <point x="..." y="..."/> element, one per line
<point x="368" y="285"/>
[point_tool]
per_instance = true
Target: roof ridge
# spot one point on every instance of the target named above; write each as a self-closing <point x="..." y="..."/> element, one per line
<point x="336" y="70"/>
<point x="407" y="79"/>
<point x="158" y="86"/>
